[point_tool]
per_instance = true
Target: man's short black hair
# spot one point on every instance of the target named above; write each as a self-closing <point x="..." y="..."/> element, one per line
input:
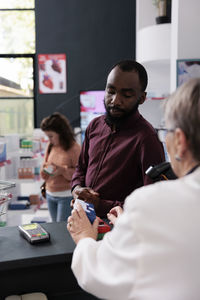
<point x="132" y="65"/>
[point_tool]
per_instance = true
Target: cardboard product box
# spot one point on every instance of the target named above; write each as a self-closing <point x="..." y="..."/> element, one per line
<point x="34" y="199"/>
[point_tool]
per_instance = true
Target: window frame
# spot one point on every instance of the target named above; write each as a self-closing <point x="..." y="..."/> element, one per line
<point x="34" y="80"/>
<point x="25" y="55"/>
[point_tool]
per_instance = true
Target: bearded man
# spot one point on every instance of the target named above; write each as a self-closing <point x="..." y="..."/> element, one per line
<point x="120" y="145"/>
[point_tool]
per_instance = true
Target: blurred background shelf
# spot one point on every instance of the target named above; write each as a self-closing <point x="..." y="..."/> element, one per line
<point x="154" y="44"/>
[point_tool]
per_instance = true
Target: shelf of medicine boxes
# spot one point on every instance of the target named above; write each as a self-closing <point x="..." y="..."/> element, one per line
<point x="27" y="187"/>
<point x="28" y="165"/>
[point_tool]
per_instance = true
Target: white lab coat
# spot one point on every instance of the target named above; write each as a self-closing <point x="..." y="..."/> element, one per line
<point x="153" y="252"/>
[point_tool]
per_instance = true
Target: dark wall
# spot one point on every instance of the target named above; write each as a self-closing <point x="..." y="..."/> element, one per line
<point x="94" y="35"/>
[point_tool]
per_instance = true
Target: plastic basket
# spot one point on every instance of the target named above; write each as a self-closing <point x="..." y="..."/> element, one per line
<point x="5" y="196"/>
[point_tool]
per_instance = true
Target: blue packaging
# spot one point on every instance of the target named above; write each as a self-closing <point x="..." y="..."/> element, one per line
<point x="88" y="208"/>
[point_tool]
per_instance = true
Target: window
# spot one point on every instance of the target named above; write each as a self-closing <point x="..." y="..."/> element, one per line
<point x="12" y="4"/>
<point x="17" y="48"/>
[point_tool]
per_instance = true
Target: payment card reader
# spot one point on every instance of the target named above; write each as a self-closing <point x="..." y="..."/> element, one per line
<point x="34" y="233"/>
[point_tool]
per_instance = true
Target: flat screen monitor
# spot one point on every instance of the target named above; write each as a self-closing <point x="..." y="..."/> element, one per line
<point x="91" y="106"/>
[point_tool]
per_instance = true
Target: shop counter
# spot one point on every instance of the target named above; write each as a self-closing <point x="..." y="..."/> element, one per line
<point x="43" y="267"/>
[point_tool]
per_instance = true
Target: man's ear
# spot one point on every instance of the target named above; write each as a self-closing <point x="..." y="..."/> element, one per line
<point x="142" y="98"/>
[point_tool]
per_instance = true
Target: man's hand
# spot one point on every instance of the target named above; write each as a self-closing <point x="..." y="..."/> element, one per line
<point x="114" y="213"/>
<point x="86" y="194"/>
<point x="79" y="225"/>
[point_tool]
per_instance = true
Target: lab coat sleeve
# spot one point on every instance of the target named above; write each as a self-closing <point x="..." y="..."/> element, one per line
<point x="108" y="268"/>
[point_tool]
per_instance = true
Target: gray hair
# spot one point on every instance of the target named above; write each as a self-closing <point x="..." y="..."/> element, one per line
<point x="182" y="110"/>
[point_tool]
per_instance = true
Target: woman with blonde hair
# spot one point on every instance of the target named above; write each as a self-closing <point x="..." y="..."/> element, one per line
<point x="152" y="253"/>
<point x="59" y="164"/>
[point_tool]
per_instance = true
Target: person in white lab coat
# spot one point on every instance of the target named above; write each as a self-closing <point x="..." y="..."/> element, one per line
<point x="153" y="251"/>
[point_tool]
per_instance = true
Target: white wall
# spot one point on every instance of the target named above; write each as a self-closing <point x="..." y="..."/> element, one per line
<point x="185" y="41"/>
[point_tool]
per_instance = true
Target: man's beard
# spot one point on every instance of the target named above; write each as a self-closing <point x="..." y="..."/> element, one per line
<point x="117" y="121"/>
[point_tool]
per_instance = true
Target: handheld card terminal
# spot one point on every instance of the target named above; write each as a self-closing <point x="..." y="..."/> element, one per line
<point x="34" y="233"/>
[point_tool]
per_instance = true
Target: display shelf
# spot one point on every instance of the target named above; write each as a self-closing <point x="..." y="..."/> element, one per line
<point x="154" y="43"/>
<point x="27" y="180"/>
<point x="153" y="51"/>
<point x="167" y="42"/>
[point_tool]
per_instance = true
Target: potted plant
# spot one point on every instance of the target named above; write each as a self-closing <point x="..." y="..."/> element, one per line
<point x="164" y="11"/>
